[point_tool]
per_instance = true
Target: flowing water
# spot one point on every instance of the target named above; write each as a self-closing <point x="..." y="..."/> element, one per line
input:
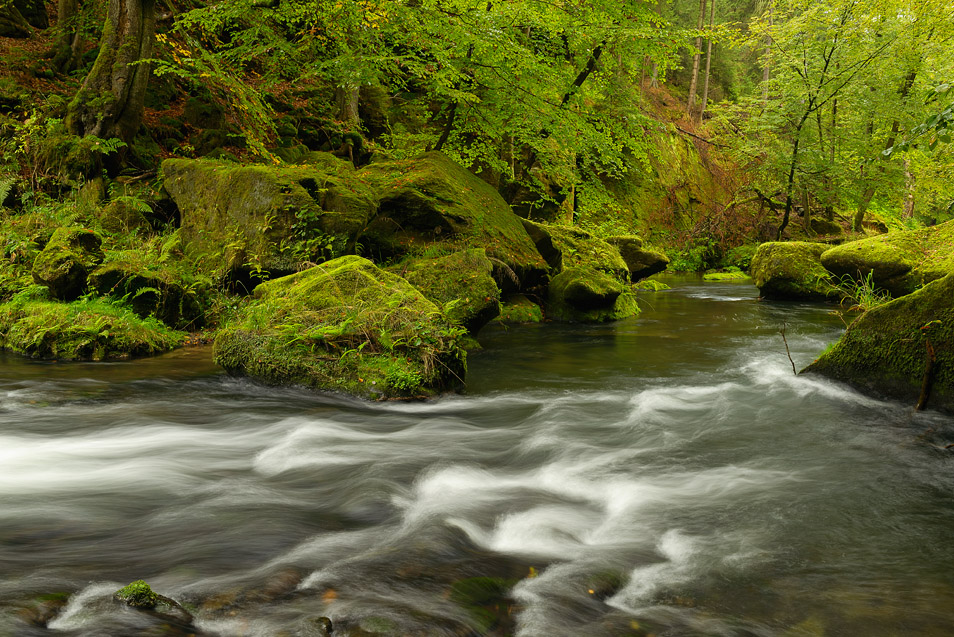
<point x="663" y="475"/>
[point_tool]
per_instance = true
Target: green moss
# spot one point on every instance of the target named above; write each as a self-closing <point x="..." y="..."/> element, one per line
<point x="66" y="261"/>
<point x="641" y="261"/>
<point x="462" y="283"/>
<point x="793" y="270"/>
<point x="885" y="350"/>
<point x="569" y="247"/>
<point x="138" y="594"/>
<point x="899" y="262"/>
<point x="520" y="309"/>
<point x="587" y="295"/>
<point x="725" y="276"/>
<point x="346" y="326"/>
<point x="87" y="329"/>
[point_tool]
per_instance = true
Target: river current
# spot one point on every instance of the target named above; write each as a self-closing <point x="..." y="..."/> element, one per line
<point x="663" y="475"/>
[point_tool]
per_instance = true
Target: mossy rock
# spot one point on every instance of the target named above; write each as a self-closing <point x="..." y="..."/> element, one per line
<point x="588" y="295"/>
<point x="156" y="291"/>
<point x="899" y="262"/>
<point x="137" y="594"/>
<point x="83" y="330"/>
<point x="119" y="217"/>
<point x="568" y="247"/>
<point x="266" y="219"/>
<point x="885" y="350"/>
<point x="642" y="262"/>
<point x="518" y="308"/>
<point x="65" y="263"/>
<point x="793" y="270"/>
<point x="432" y="199"/>
<point x="461" y="282"/>
<point x="725" y="276"/>
<point x="826" y="227"/>
<point x="345" y="326"/>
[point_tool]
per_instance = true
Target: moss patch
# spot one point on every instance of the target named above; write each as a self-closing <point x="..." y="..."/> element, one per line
<point x="519" y="309"/>
<point x="568" y="247"/>
<point x="346" y="326"/>
<point x="587" y="295"/>
<point x="67" y="260"/>
<point x="793" y="270"/>
<point x="462" y="283"/>
<point x="91" y="329"/>
<point x="137" y="594"/>
<point x="641" y="261"/>
<point x="885" y="350"/>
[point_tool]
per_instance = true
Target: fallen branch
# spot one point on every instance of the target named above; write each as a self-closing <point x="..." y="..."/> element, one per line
<point x="787" y="351"/>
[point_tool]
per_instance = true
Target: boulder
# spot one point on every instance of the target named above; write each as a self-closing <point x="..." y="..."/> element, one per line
<point x="792" y="270"/>
<point x="587" y="295"/>
<point x="432" y="199"/>
<point x="66" y="261"/>
<point x="566" y="247"/>
<point x="899" y="262"/>
<point x="886" y="350"/>
<point x="642" y="262"/>
<point x="346" y="326"/>
<point x="154" y="291"/>
<point x="519" y="309"/>
<point x="462" y="283"/>
<point x="266" y="220"/>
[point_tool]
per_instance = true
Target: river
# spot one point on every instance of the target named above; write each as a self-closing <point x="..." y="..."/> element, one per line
<point x="664" y="475"/>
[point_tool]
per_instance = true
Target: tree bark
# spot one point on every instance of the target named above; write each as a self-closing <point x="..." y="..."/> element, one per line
<point x="705" y="86"/>
<point x="66" y="53"/>
<point x="696" y="58"/>
<point x="110" y="103"/>
<point x="346" y="98"/>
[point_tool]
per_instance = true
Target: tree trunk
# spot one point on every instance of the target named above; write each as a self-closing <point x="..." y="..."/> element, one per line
<point x="791" y="174"/>
<point x="12" y="23"/>
<point x="346" y="98"/>
<point x="696" y="58"/>
<point x="767" y="71"/>
<point x="111" y="101"/>
<point x="705" y="86"/>
<point x="66" y="54"/>
<point x="909" y="188"/>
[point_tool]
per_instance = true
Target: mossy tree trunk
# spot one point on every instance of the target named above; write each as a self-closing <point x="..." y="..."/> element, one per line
<point x="66" y="53"/>
<point x="110" y="103"/>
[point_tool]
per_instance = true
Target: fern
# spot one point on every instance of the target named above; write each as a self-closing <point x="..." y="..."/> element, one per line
<point x="6" y="186"/>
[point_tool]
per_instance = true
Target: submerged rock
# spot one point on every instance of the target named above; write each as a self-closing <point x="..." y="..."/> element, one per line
<point x="461" y="282"/>
<point x="886" y="351"/>
<point x="347" y="326"/>
<point x="899" y="262"/>
<point x="792" y="270"/>
<point x="65" y="263"/>
<point x="642" y="262"/>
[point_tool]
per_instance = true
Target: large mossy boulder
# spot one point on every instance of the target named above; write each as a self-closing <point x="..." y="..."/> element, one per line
<point x="462" y="283"/>
<point x="432" y="199"/>
<point x="641" y="261"/>
<point x="886" y="350"/>
<point x="587" y="295"/>
<point x="150" y="291"/>
<point x="566" y="247"/>
<point x="899" y="262"/>
<point x="66" y="261"/>
<point x="347" y="326"/>
<point x="266" y="219"/>
<point x="792" y="270"/>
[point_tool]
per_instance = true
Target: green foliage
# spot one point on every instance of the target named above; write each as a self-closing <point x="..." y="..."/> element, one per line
<point x="861" y="294"/>
<point x="137" y="594"/>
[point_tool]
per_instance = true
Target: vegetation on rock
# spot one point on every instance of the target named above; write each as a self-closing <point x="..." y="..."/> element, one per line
<point x="793" y="270"/>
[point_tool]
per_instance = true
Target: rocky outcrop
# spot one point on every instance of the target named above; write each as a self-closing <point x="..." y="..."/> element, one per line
<point x="642" y="262"/>
<point x="900" y="348"/>
<point x="899" y="262"/>
<point x="348" y="326"/>
<point x="793" y="270"/>
<point x="65" y="263"/>
<point x="461" y="283"/>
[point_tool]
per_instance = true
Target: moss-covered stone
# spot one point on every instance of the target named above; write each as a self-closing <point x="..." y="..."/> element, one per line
<point x="137" y="594"/>
<point x="642" y="262"/>
<point x="518" y="308"/>
<point x="266" y="219"/>
<point x="899" y="262"/>
<point x="461" y="282"/>
<point x="150" y="291"/>
<point x="725" y="276"/>
<point x="347" y="326"/>
<point x="66" y="261"/>
<point x="568" y="247"/>
<point x="885" y="350"/>
<point x="431" y="198"/>
<point x="587" y="295"/>
<point x="793" y="270"/>
<point x="82" y="330"/>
